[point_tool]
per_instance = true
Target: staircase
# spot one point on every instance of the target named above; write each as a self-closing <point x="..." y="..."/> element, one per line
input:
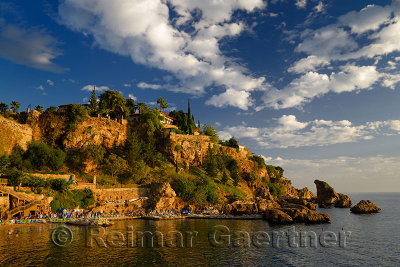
<point x="31" y="204"/>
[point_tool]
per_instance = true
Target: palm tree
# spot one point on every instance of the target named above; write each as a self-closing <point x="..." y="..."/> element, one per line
<point x="3" y="107"/>
<point x="163" y="104"/>
<point x="15" y="106"/>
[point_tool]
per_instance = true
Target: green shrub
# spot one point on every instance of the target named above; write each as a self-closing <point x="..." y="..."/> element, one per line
<point x="259" y="160"/>
<point x="41" y="156"/>
<point x="275" y="189"/>
<point x="60" y="185"/>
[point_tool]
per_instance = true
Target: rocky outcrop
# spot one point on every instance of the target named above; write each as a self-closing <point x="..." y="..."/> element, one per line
<point x="327" y="196"/>
<point x="191" y="150"/>
<point x="277" y="216"/>
<point x="12" y="134"/>
<point x="306" y="194"/>
<point x="163" y="197"/>
<point x="344" y="201"/>
<point x="364" y="207"/>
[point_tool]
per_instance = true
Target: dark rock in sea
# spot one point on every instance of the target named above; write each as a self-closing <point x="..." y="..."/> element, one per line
<point x="277" y="217"/>
<point x="327" y="196"/>
<point x="365" y="207"/>
<point x="344" y="201"/>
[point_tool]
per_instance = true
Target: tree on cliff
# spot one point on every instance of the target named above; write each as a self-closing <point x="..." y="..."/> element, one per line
<point x="113" y="103"/>
<point x="163" y="104"/>
<point x="93" y="104"/>
<point x="130" y="105"/>
<point x="114" y="165"/>
<point x="3" y="107"/>
<point x="210" y="162"/>
<point x="15" y="106"/>
<point x="210" y="131"/>
<point x="39" y="108"/>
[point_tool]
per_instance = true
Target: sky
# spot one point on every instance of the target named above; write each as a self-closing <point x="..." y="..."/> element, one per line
<point x="311" y="85"/>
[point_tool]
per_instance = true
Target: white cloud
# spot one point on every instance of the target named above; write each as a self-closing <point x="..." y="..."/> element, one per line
<point x="345" y="174"/>
<point x="144" y="31"/>
<point x="40" y="87"/>
<point x="145" y="85"/>
<point x="367" y="19"/>
<point x="310" y="63"/>
<point x="301" y="3"/>
<point x="31" y="47"/>
<point x="50" y="82"/>
<point x="90" y="87"/>
<point x="239" y="99"/>
<point x="320" y="7"/>
<point x="289" y="132"/>
<point x="127" y="85"/>
<point x="312" y="84"/>
<point x="131" y="96"/>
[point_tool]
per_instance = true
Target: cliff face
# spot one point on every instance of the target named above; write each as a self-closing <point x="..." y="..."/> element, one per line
<point x="96" y="131"/>
<point x="13" y="133"/>
<point x="53" y="129"/>
<point x="192" y="149"/>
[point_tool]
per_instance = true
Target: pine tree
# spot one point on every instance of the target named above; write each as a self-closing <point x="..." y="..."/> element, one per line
<point x="211" y="164"/>
<point x="189" y="113"/>
<point x="93" y="101"/>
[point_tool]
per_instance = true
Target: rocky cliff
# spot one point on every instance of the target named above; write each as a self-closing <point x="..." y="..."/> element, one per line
<point x="13" y="133"/>
<point x="191" y="150"/>
<point x="53" y="129"/>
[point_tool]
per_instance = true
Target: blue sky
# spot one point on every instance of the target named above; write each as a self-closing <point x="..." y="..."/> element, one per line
<point x="312" y="85"/>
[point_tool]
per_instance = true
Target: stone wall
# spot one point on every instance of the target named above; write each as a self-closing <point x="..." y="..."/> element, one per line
<point x="51" y="176"/>
<point x="116" y="193"/>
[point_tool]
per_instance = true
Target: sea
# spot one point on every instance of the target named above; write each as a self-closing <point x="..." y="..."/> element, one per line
<point x="349" y="240"/>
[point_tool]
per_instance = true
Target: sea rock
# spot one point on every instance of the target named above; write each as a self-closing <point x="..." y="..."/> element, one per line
<point x="240" y="207"/>
<point x="327" y="196"/>
<point x="277" y="217"/>
<point x="264" y="204"/>
<point x="306" y="194"/>
<point x="305" y="215"/>
<point x="344" y="201"/>
<point x="365" y="206"/>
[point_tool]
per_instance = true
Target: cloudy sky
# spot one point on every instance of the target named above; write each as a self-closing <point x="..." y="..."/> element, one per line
<point x="312" y="85"/>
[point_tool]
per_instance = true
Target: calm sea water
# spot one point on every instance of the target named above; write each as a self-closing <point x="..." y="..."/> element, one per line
<point x="374" y="240"/>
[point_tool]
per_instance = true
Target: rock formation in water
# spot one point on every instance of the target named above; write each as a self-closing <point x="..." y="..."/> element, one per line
<point x="327" y="196"/>
<point x="364" y="207"/>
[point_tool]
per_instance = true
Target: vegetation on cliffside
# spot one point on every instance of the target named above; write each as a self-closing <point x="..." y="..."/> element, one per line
<point x="222" y="171"/>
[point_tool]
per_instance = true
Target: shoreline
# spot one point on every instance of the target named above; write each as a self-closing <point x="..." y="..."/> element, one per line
<point x="154" y="218"/>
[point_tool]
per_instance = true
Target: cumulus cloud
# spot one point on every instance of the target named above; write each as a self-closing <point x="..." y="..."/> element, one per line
<point x="312" y="84"/>
<point x="145" y="31"/>
<point x="345" y="174"/>
<point x="240" y="99"/>
<point x="90" y="87"/>
<point x="127" y="85"/>
<point x="289" y="132"/>
<point x="31" y="47"/>
<point x="50" y="82"/>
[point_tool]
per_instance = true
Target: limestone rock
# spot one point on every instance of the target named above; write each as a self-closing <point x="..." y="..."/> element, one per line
<point x="327" y="196"/>
<point x="365" y="206"/>
<point x="344" y="201"/>
<point x="264" y="204"/>
<point x="277" y="217"/>
<point x="240" y="207"/>
<point x="306" y="194"/>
